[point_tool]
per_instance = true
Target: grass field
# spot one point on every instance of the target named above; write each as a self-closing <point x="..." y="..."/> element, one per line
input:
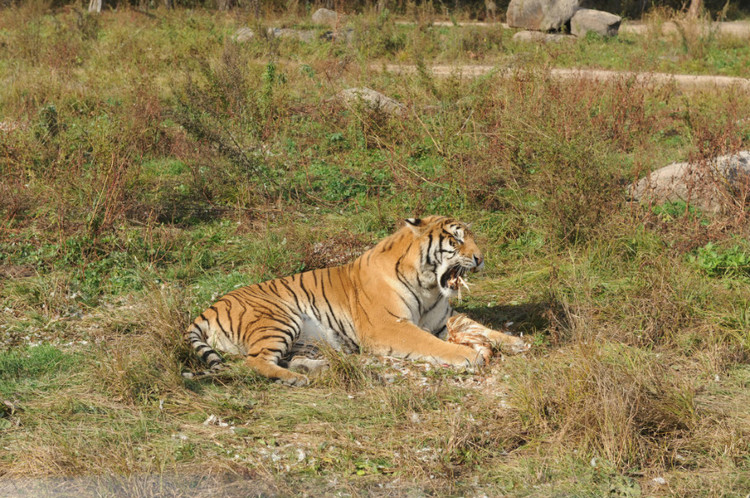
<point x="150" y="164"/>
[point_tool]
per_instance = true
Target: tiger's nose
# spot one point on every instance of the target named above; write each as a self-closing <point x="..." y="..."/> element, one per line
<point x="478" y="260"/>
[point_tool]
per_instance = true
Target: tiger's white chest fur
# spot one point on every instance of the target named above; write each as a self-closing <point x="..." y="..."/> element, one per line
<point x="434" y="320"/>
<point x="428" y="307"/>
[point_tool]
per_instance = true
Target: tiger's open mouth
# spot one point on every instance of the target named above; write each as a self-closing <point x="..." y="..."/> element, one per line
<point x="453" y="278"/>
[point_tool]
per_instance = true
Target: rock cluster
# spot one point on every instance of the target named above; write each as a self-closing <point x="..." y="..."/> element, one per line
<point x="321" y="17"/>
<point x="559" y="15"/>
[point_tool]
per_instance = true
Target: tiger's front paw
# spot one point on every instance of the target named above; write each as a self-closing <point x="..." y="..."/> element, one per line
<point x="475" y="341"/>
<point x="515" y="345"/>
<point x="465" y="357"/>
<point x="294" y="379"/>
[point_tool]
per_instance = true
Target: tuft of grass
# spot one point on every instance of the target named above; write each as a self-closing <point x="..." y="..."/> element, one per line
<point x="615" y="402"/>
<point x="346" y="371"/>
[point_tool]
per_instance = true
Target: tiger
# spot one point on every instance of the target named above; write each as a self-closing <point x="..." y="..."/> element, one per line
<point x="393" y="300"/>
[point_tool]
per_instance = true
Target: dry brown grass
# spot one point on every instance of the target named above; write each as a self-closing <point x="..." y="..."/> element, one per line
<point x="136" y="195"/>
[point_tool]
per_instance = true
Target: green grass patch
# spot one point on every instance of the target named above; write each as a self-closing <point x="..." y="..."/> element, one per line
<point x="34" y="363"/>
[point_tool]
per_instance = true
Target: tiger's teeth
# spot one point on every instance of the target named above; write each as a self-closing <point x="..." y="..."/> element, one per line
<point x="463" y="282"/>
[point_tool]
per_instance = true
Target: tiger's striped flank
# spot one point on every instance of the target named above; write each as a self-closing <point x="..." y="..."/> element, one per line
<point x="394" y="300"/>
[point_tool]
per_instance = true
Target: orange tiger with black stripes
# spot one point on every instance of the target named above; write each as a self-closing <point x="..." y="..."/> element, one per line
<point x="393" y="300"/>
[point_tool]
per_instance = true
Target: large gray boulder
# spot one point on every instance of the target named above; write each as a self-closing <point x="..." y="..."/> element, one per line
<point x="709" y="185"/>
<point x="325" y="17"/>
<point x="371" y="99"/>
<point x="603" y="23"/>
<point x="540" y="15"/>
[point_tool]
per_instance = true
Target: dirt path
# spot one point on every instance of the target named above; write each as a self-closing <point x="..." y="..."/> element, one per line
<point x="683" y="81"/>
<point x="739" y="29"/>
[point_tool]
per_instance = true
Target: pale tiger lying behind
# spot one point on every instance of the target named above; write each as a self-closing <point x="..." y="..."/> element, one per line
<point x="392" y="300"/>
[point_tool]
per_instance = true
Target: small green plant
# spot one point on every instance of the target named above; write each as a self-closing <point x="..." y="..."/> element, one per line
<point x="675" y="210"/>
<point x="733" y="261"/>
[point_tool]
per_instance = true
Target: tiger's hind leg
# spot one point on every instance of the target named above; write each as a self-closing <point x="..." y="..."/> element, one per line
<point x="306" y="358"/>
<point x="196" y="337"/>
<point x="265" y="353"/>
<point x="267" y="366"/>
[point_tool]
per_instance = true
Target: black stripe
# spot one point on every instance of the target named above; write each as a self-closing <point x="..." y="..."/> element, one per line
<point x="311" y="299"/>
<point x="429" y="249"/>
<point x="402" y="278"/>
<point x="205" y="355"/>
<point x="294" y="294"/>
<point x="228" y="304"/>
<point x="218" y="320"/>
<point x="330" y="282"/>
<point x="438" y="300"/>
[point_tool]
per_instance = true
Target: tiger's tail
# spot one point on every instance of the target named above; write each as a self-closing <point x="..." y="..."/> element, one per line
<point x="196" y="337"/>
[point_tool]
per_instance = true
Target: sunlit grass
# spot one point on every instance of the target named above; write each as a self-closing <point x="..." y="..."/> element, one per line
<point x="152" y="164"/>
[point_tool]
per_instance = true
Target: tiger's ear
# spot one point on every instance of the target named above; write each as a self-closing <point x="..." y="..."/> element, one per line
<point x="413" y="223"/>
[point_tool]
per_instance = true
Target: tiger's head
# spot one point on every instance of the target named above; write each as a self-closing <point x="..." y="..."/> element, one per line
<point x="447" y="250"/>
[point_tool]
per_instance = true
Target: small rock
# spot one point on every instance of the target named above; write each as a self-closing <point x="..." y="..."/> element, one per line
<point x="600" y="22"/>
<point x="243" y="34"/>
<point x="325" y="17"/>
<point x="659" y="480"/>
<point x="374" y="100"/>
<point x="341" y="35"/>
